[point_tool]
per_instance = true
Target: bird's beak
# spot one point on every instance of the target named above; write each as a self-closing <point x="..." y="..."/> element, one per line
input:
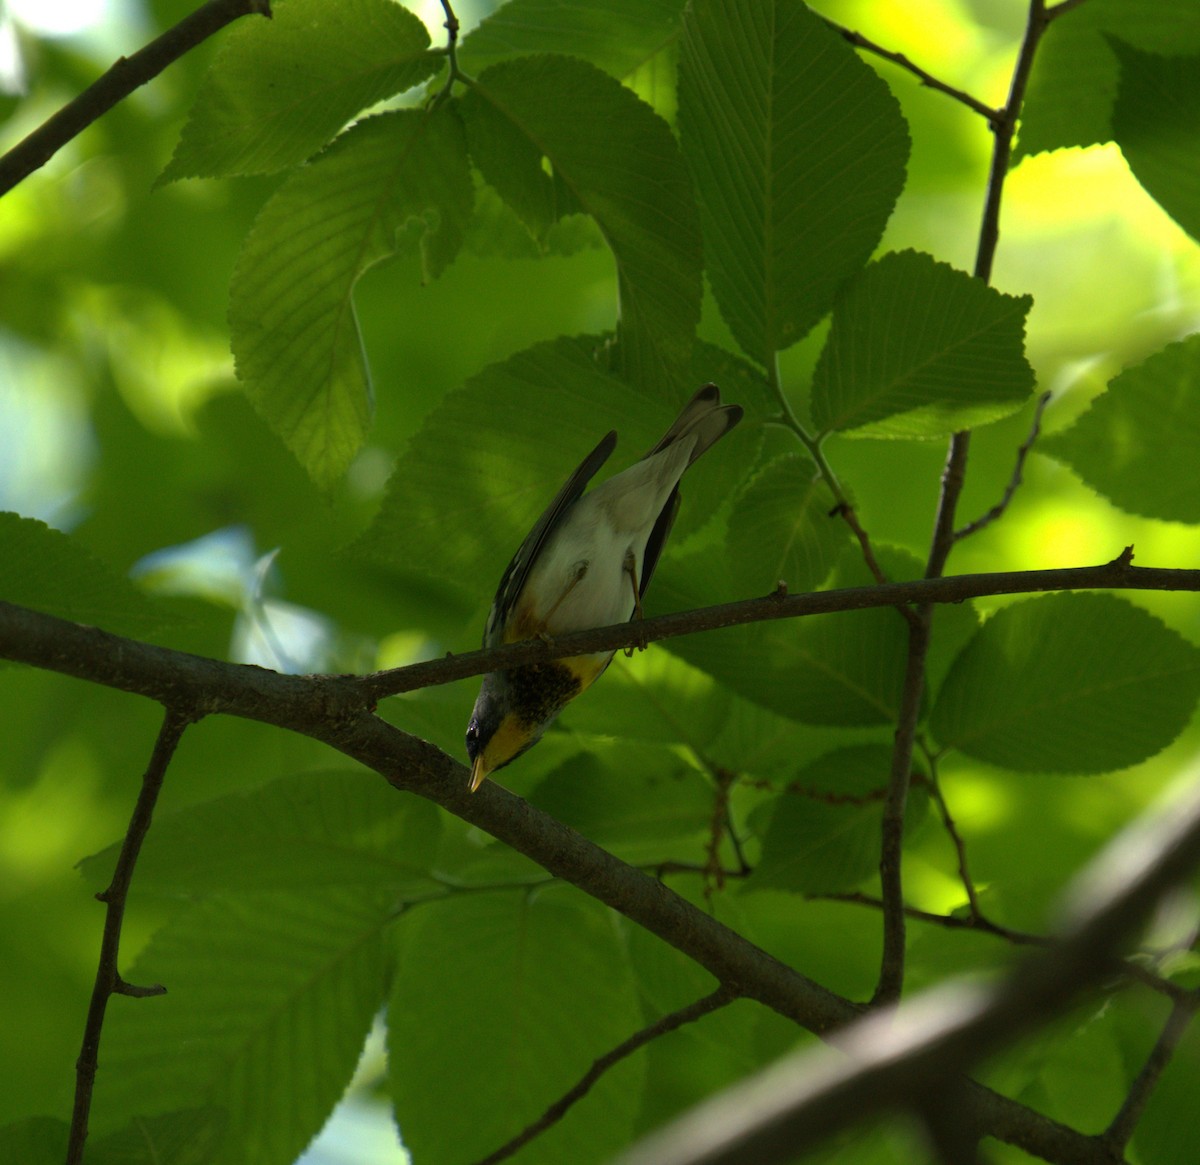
<point x="479" y="772"/>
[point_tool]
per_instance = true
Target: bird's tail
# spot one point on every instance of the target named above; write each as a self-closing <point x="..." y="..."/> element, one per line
<point x="705" y="417"/>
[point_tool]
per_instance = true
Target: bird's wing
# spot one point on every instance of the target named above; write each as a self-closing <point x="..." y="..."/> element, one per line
<point x="657" y="539"/>
<point x="517" y="572"/>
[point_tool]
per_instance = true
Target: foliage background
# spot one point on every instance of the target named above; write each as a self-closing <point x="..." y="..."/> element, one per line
<point x="120" y="421"/>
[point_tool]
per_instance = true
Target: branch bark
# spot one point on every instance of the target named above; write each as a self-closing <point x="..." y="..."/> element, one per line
<point x="335" y="710"/>
<point x="126" y="75"/>
<point x="108" y="976"/>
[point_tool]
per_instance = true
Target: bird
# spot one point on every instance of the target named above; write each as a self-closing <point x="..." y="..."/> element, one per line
<point x="586" y="563"/>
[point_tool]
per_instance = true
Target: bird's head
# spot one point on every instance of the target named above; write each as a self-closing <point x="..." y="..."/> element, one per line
<point x="495" y="733"/>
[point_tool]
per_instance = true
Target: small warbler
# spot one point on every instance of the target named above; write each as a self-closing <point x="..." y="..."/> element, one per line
<point x="586" y="563"/>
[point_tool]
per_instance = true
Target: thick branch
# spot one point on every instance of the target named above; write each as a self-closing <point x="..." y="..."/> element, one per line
<point x="901" y="1058"/>
<point x="108" y="977"/>
<point x="333" y="709"/>
<point x="128" y="74"/>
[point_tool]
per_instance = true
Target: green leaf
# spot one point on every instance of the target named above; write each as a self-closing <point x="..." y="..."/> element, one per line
<point x="37" y="1140"/>
<point x="840" y="670"/>
<point x="1068" y="683"/>
<point x="782" y="529"/>
<point x="611" y="156"/>
<point x="824" y="831"/>
<point x="918" y="349"/>
<point x="843" y="669"/>
<point x="619" y="36"/>
<point x="1137" y="442"/>
<point x="393" y="181"/>
<point x="1156" y="122"/>
<point x="633" y="799"/>
<point x="654" y="697"/>
<point x="278" y="90"/>
<point x="187" y="1137"/>
<point x="798" y="151"/>
<point x="1168" y="1132"/>
<point x="347" y="829"/>
<point x="488" y="987"/>
<point x="270" y="997"/>
<point x="491" y="456"/>
<point x="45" y="569"/>
<point x="1071" y="91"/>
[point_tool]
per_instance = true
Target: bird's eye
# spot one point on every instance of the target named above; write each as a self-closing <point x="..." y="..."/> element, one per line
<point x="472" y="738"/>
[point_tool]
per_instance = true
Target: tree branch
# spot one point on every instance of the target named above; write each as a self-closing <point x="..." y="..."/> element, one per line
<point x="891" y="973"/>
<point x="899" y="1059"/>
<point x="928" y="79"/>
<point x="1119" y="574"/>
<point x="334" y="709"/>
<point x="1182" y="1012"/>
<point x="722" y="997"/>
<point x="108" y="977"/>
<point x="128" y="74"/>
<point x="1014" y="482"/>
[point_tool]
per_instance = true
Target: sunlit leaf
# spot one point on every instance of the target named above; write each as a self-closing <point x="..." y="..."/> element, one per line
<point x="279" y="90"/>
<point x="393" y="181"/>
<point x="918" y="349"/>
<point x="271" y="995"/>
<point x="1069" y="683"/>
<point x="487" y="986"/>
<point x="798" y="151"/>
<point x="1161" y="151"/>
<point x="611" y="156"/>
<point x="1137" y="442"/>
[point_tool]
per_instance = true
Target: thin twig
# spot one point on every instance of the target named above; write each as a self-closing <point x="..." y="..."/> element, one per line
<point x="454" y="73"/>
<point x="1129" y="969"/>
<point x="126" y="75"/>
<point x="1014" y="482"/>
<point x="1183" y="1010"/>
<point x="661" y="1027"/>
<point x="891" y="967"/>
<point x="108" y="977"/>
<point x="928" y="79"/>
<point x="960" y="849"/>
<point x="812" y="445"/>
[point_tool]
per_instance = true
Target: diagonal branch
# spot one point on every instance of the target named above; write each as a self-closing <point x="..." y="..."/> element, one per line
<point x="332" y="709"/>
<point x="927" y="79"/>
<point x="128" y="74"/>
<point x="722" y="997"/>
<point x="1014" y="482"/>
<point x="108" y="977"/>
<point x="1182" y="1012"/>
